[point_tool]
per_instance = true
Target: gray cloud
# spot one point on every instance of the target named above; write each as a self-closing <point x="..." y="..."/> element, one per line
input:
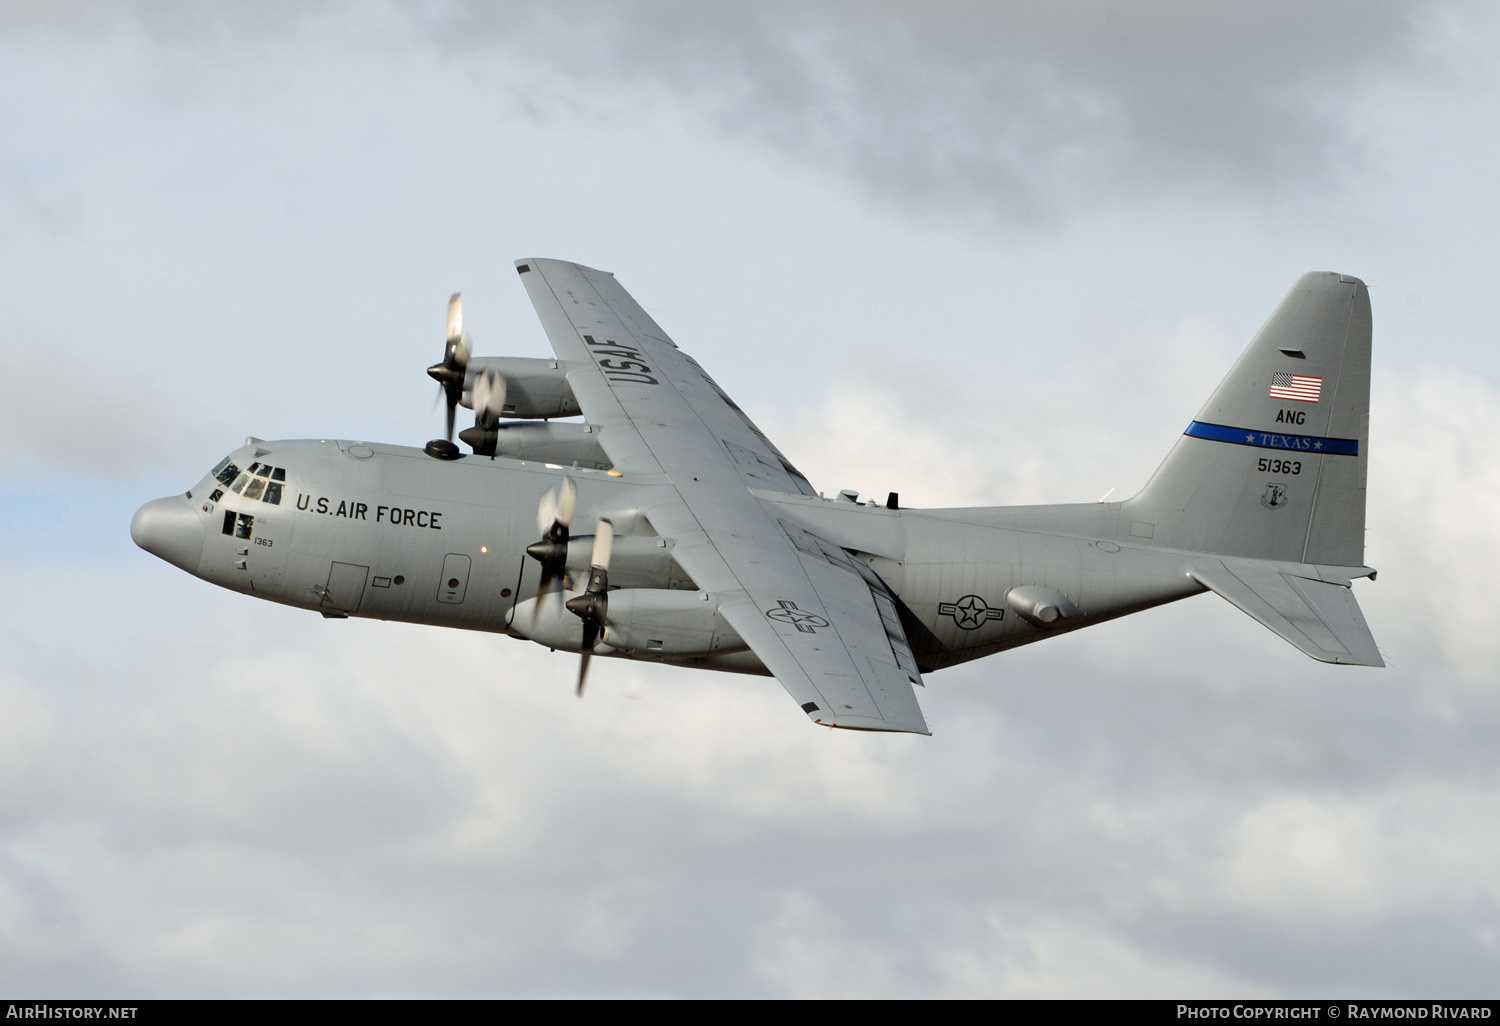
<point x="1012" y="112"/>
<point x="57" y="414"/>
<point x="1015" y="111"/>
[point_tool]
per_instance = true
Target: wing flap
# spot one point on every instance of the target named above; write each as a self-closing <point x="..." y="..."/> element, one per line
<point x="1320" y="618"/>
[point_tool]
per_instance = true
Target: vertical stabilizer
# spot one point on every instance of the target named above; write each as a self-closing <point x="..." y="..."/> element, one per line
<point x="1274" y="465"/>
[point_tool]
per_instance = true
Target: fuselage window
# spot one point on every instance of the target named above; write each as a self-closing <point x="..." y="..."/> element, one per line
<point x="254" y="488"/>
<point x="225" y="472"/>
<point x="273" y="493"/>
<point x="278" y="473"/>
<point x="243" y="525"/>
<point x="217" y="495"/>
<point x="240" y="483"/>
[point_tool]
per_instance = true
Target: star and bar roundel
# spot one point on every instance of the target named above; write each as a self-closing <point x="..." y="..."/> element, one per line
<point x="970" y="612"/>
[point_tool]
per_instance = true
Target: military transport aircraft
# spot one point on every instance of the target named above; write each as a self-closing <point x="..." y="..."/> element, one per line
<point x="666" y="526"/>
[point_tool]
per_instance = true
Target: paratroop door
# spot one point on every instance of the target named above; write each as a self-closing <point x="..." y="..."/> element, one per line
<point x="455" y="578"/>
<point x="346" y="586"/>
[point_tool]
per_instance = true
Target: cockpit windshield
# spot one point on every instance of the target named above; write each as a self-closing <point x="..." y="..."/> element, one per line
<point x="258" y="481"/>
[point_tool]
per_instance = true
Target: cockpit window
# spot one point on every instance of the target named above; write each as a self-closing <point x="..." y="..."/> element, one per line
<point x="240" y="525"/>
<point x="225" y="472"/>
<point x="272" y="488"/>
<point x="260" y="481"/>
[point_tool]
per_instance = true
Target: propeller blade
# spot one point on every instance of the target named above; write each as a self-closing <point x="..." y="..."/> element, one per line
<point x="488" y="398"/>
<point x="590" y="638"/>
<point x="455" y="316"/>
<point x="546" y="512"/>
<point x="567" y="499"/>
<point x="604" y="543"/>
<point x="450" y="373"/>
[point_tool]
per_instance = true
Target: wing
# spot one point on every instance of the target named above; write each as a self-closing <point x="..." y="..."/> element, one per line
<point x="822" y="622"/>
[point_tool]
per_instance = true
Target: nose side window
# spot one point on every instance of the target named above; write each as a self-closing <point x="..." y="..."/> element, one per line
<point x="244" y="524"/>
<point x="226" y="472"/>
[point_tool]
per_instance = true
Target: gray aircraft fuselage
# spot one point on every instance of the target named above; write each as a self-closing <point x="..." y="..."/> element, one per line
<point x="389" y="532"/>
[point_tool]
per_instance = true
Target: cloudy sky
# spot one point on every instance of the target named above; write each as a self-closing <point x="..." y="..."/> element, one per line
<point x="977" y="253"/>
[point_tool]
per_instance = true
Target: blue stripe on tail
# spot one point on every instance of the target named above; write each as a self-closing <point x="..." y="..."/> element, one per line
<point x="1266" y="440"/>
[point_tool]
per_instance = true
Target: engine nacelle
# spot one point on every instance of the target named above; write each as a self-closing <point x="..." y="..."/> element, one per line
<point x="564" y="444"/>
<point x="637" y="562"/>
<point x="534" y="388"/>
<point x="669" y="623"/>
<point x="638" y="621"/>
<point x="547" y="621"/>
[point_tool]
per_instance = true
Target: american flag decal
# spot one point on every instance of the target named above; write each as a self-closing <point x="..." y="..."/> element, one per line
<point x="1298" y="387"/>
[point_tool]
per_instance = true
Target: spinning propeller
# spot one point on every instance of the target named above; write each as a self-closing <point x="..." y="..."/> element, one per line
<point x="487" y="396"/>
<point x="450" y="373"/>
<point x="552" y="518"/>
<point x="593" y="605"/>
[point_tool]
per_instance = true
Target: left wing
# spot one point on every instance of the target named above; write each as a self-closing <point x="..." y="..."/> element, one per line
<point x="823" y="623"/>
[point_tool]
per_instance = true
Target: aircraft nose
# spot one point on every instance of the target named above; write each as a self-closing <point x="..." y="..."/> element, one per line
<point x="170" y="528"/>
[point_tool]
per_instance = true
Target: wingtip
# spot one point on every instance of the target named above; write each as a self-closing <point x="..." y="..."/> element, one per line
<point x="871" y="725"/>
<point x="527" y="264"/>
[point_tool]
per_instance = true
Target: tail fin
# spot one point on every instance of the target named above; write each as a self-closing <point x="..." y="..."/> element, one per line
<point x="1273" y="467"/>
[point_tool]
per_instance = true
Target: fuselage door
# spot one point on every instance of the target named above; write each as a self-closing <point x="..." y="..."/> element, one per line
<point x="455" y="578"/>
<point x="346" y="587"/>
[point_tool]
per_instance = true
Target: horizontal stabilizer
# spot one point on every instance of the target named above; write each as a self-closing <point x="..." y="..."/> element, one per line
<point x="1320" y="618"/>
